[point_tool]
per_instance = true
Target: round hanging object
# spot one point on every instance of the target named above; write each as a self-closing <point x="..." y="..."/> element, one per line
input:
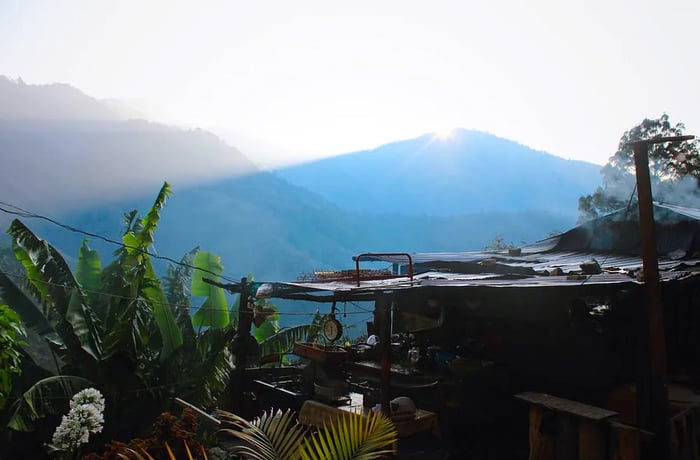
<point x="332" y="329"/>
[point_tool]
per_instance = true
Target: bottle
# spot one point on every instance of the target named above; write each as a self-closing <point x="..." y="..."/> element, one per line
<point x="413" y="356"/>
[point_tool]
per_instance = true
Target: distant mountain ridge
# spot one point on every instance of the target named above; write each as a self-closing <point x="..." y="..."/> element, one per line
<point x="408" y="196"/>
<point x="471" y="171"/>
<point x="73" y="164"/>
<point x="57" y="101"/>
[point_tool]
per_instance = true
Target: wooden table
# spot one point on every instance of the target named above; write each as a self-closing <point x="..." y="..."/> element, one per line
<point x="423" y="420"/>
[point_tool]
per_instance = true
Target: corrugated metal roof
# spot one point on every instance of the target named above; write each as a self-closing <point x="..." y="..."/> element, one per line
<point x="455" y="280"/>
<point x="693" y="213"/>
<point x="555" y="261"/>
<point x="612" y="240"/>
<point x="567" y="261"/>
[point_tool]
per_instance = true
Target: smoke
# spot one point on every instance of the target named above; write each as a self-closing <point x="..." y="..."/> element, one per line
<point x="682" y="192"/>
<point x="621" y="185"/>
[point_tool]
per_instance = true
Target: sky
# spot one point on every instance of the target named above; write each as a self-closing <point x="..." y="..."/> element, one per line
<point x="286" y="81"/>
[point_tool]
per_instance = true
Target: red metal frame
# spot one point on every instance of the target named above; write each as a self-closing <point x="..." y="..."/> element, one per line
<point x="383" y="254"/>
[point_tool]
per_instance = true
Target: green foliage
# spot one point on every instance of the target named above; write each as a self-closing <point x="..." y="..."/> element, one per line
<point x="272" y="436"/>
<point x="48" y="396"/>
<point x="674" y="170"/>
<point x="352" y="437"/>
<point x="10" y="343"/>
<point x="214" y="311"/>
<point x="119" y="328"/>
<point x="134" y="264"/>
<point x="266" y="319"/>
<point x="89" y="268"/>
<point x="278" y="436"/>
<point x="64" y="302"/>
<point x="282" y="343"/>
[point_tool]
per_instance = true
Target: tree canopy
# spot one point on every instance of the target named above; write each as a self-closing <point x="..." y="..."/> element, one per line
<point x="674" y="170"/>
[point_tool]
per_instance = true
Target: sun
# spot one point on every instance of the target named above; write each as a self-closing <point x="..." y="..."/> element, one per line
<point x="444" y="134"/>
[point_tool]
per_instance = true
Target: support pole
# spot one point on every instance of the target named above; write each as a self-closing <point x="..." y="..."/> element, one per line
<point x="652" y="387"/>
<point x="241" y="347"/>
<point x="382" y="318"/>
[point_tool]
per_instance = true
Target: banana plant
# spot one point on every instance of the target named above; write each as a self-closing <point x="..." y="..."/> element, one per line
<point x="10" y="354"/>
<point x="214" y="311"/>
<point x="48" y="396"/>
<point x="117" y="327"/>
<point x="275" y="347"/>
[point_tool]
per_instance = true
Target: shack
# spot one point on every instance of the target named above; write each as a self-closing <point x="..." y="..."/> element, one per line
<point x="462" y="333"/>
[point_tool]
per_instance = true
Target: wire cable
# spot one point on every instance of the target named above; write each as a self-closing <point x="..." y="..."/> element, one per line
<point x="24" y="213"/>
<point x="168" y="304"/>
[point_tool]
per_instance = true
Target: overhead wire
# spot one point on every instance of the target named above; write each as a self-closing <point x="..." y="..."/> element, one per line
<point x="18" y="211"/>
<point x="24" y="213"/>
<point x="156" y="302"/>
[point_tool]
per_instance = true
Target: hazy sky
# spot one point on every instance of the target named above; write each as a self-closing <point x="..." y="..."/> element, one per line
<point x="288" y="79"/>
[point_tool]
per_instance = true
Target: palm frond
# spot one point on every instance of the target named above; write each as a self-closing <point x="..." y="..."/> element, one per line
<point x="272" y="436"/>
<point x="352" y="437"/>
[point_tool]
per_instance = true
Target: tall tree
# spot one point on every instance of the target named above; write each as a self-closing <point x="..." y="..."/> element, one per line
<point x="674" y="170"/>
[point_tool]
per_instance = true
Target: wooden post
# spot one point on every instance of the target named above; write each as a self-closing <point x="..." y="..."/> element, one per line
<point x="245" y="315"/>
<point x="382" y="318"/>
<point x="245" y="319"/>
<point x="652" y="386"/>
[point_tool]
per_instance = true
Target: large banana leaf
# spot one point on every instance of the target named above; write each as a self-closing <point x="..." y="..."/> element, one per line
<point x="30" y="313"/>
<point x="177" y="289"/>
<point x="146" y="285"/>
<point x="214" y="310"/>
<point x="271" y="321"/>
<point x="141" y="236"/>
<point x="209" y="364"/>
<point x="162" y="311"/>
<point x="89" y="268"/>
<point x="272" y="436"/>
<point x="65" y="304"/>
<point x="352" y="437"/>
<point x="49" y="396"/>
<point x="282" y="342"/>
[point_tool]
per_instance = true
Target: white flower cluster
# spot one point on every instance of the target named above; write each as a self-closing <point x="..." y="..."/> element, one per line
<point x="85" y="417"/>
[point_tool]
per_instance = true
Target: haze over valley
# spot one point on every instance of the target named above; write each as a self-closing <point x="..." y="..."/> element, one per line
<point x="70" y="157"/>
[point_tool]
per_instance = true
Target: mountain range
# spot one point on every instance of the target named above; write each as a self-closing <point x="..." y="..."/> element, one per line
<point x="80" y="163"/>
<point x="465" y="172"/>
